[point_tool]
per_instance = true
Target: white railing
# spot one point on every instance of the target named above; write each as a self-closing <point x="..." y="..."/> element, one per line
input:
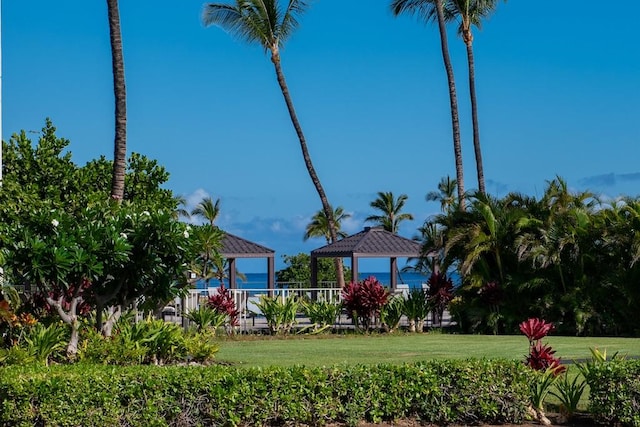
<point x="246" y="299"/>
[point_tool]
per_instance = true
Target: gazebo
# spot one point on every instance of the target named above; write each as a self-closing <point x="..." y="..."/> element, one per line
<point x="234" y="247"/>
<point x="372" y="242"/>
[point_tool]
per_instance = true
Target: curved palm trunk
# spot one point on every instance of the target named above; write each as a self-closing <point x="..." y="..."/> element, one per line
<point x="453" y="100"/>
<point x="275" y="58"/>
<point x="468" y="40"/>
<point x="119" y="89"/>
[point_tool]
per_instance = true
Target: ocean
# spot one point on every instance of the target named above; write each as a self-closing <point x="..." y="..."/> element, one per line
<point x="259" y="280"/>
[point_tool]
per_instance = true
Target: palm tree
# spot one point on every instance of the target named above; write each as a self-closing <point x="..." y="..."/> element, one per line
<point x="319" y="227"/>
<point x="445" y="194"/>
<point x="266" y="23"/>
<point x="390" y="208"/>
<point x="120" y="92"/>
<point x="471" y="13"/>
<point x="428" y="10"/>
<point x="207" y="210"/>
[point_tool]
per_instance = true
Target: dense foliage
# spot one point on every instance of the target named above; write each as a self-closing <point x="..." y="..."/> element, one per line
<point x="298" y="270"/>
<point x="73" y="250"/>
<point x="615" y="392"/>
<point x="567" y="257"/>
<point x="443" y="392"/>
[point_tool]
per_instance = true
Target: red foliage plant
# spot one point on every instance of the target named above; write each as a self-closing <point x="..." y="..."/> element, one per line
<point x="364" y="300"/>
<point x="541" y="356"/>
<point x="535" y="329"/>
<point x="440" y="292"/>
<point x="223" y="302"/>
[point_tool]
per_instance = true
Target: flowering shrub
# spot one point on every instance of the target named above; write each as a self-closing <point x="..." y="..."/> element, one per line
<point x="363" y="301"/>
<point x="223" y="302"/>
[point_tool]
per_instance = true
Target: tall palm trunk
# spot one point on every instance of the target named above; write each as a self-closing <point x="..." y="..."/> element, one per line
<point x="275" y="58"/>
<point x="468" y="41"/>
<point x="119" y="89"/>
<point x="453" y="100"/>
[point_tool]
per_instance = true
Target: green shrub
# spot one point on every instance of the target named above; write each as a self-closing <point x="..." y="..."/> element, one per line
<point x="416" y="308"/>
<point x="321" y="313"/>
<point x="201" y="346"/>
<point x="615" y="392"/>
<point x="119" y="349"/>
<point x="279" y="312"/>
<point x="391" y="313"/>
<point x="206" y="317"/>
<point x="463" y="392"/>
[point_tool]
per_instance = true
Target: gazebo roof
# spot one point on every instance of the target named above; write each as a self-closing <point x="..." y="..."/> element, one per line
<point x="237" y="247"/>
<point x="372" y="242"/>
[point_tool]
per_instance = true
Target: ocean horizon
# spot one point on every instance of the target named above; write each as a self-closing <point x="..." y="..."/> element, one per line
<point x="259" y="280"/>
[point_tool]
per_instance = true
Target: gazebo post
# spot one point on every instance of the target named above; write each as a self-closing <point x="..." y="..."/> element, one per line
<point x="393" y="268"/>
<point x="232" y="274"/>
<point x="270" y="275"/>
<point x="314" y="271"/>
<point x="354" y="268"/>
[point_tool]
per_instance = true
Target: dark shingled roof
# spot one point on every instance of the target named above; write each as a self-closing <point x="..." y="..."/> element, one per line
<point x="237" y="247"/>
<point x="372" y="242"/>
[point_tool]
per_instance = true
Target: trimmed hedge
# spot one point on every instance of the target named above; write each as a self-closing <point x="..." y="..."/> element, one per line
<point x="615" y="392"/>
<point x="472" y="391"/>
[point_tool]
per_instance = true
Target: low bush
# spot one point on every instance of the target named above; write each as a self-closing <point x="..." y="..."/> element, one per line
<point x="473" y="391"/>
<point x="615" y="392"/>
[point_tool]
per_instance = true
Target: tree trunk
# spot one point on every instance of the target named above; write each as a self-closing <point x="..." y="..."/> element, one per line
<point x="468" y="39"/>
<point x="114" y="313"/>
<point x="71" y="319"/>
<point x="453" y="100"/>
<point x="275" y="58"/>
<point x="119" y="89"/>
<point x="339" y="272"/>
<point x="72" y="347"/>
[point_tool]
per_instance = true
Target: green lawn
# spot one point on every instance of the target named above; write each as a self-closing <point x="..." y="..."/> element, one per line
<point x="352" y="349"/>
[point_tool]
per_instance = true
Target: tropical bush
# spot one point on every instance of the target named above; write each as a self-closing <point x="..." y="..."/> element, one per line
<point x="322" y="314"/>
<point x="222" y="302"/>
<point x="280" y="312"/>
<point x="363" y="301"/>
<point x="205" y="317"/>
<point x="416" y="308"/>
<point x="391" y="313"/>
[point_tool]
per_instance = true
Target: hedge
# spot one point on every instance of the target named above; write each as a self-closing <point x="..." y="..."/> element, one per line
<point x="463" y="392"/>
<point x="615" y="392"/>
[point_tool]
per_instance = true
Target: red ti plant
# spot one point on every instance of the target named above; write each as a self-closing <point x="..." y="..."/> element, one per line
<point x="535" y="329"/>
<point x="440" y="292"/>
<point x="541" y="356"/>
<point x="363" y="300"/>
<point x="223" y="302"/>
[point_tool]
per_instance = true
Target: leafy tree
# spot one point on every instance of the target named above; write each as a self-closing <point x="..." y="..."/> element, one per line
<point x="104" y="256"/>
<point x="430" y="10"/>
<point x="298" y="269"/>
<point x="390" y="211"/>
<point x="120" y="92"/>
<point x="269" y="24"/>
<point x="86" y="249"/>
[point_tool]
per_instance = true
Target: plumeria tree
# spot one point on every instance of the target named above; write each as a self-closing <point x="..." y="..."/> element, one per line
<point x="106" y="256"/>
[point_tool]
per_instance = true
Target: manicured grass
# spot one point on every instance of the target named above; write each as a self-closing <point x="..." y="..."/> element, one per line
<point x="400" y="348"/>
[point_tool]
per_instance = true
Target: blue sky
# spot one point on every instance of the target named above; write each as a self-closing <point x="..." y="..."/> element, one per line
<point x="558" y="93"/>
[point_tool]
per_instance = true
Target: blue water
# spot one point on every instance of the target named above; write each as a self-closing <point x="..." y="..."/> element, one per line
<point x="259" y="280"/>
